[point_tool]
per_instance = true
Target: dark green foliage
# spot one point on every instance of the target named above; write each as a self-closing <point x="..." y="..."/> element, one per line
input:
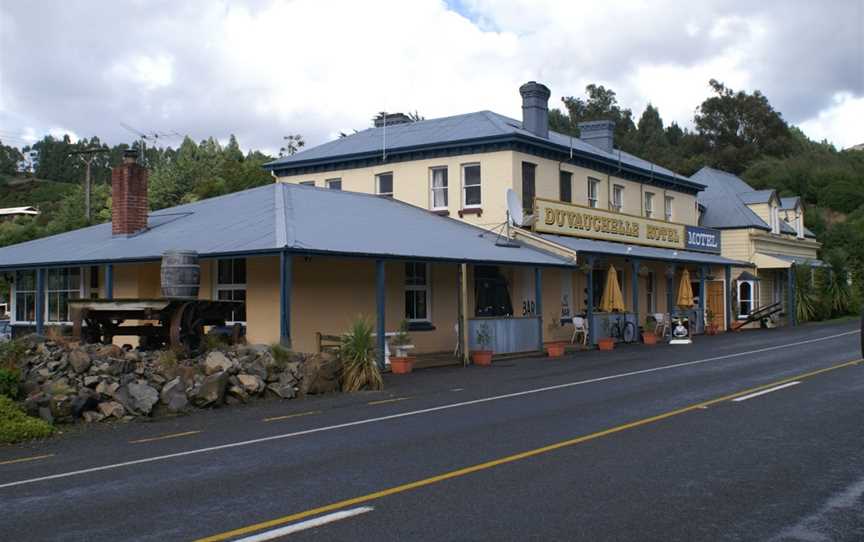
<point x="10" y="381"/>
<point x="16" y="426"/>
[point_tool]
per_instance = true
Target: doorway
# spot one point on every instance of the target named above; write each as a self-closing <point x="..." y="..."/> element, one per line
<point x="716" y="302"/>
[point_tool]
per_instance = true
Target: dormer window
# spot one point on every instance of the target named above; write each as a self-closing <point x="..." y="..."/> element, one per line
<point x="775" y="219"/>
<point x="799" y="224"/>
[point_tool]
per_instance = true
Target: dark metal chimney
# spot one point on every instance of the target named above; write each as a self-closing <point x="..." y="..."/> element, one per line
<point x="535" y="108"/>
<point x="600" y="133"/>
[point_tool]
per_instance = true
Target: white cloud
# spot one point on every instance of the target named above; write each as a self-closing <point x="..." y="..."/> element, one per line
<point x="150" y="72"/>
<point x="840" y="124"/>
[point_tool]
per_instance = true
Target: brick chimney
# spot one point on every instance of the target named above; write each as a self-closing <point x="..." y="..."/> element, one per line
<point x="128" y="196"/>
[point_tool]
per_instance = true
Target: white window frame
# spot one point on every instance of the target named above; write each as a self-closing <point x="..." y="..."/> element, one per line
<point x="775" y="220"/>
<point x="378" y="191"/>
<point x="649" y="204"/>
<point x="667" y="207"/>
<point x="219" y="287"/>
<point x="465" y="205"/>
<point x="751" y="300"/>
<point x="329" y="182"/>
<point x="617" y="198"/>
<point x="593" y="190"/>
<point x="427" y="288"/>
<point x="14" y="291"/>
<point x="445" y="189"/>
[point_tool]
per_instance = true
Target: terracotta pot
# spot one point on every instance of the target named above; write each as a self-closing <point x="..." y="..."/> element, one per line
<point x="649" y="337"/>
<point x="606" y="344"/>
<point x="555" y="350"/>
<point x="401" y="366"/>
<point x="482" y="357"/>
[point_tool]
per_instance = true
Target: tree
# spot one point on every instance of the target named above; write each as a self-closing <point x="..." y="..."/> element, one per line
<point x="293" y="143"/>
<point x="601" y="104"/>
<point x="9" y="158"/>
<point x="740" y="127"/>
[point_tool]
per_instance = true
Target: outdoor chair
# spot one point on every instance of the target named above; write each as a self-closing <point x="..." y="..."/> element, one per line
<point x="580" y="326"/>
<point x="663" y="321"/>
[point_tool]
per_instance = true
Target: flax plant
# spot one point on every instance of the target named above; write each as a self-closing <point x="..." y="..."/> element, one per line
<point x="359" y="367"/>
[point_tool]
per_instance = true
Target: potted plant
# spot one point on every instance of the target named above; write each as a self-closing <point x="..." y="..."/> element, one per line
<point x="555" y="348"/>
<point x="401" y="363"/>
<point x="483" y="356"/>
<point x="710" y="326"/>
<point x="649" y="335"/>
<point x="606" y="343"/>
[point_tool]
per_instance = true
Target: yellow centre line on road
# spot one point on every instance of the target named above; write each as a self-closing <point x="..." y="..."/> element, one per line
<point x="507" y="459"/>
<point x="289" y="416"/>
<point x="26" y="459"/>
<point x="164" y="437"/>
<point x="385" y="401"/>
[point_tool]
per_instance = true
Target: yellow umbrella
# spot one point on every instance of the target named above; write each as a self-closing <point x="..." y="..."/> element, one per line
<point x="685" y="292"/>
<point x="612" y="299"/>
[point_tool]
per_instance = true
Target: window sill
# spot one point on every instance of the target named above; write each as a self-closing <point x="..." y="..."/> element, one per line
<point x="471" y="211"/>
<point x="420" y="326"/>
<point x="440" y="212"/>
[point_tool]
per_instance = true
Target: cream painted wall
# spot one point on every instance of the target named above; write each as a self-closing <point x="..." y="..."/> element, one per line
<point x="499" y="171"/>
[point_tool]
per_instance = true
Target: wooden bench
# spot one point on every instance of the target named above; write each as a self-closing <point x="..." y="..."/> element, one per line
<point x="328" y="343"/>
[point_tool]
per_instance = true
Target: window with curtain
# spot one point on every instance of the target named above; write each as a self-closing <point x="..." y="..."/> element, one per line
<point x="593" y="188"/>
<point x="334" y="184"/>
<point x="471" y="196"/>
<point x="565" y="186"/>
<point x="417" y="292"/>
<point x="25" y="296"/>
<point x="61" y="285"/>
<point x="529" y="188"/>
<point x="651" y="296"/>
<point x="618" y="197"/>
<point x="649" y="204"/>
<point x="438" y="184"/>
<point x="667" y="209"/>
<point x="231" y="286"/>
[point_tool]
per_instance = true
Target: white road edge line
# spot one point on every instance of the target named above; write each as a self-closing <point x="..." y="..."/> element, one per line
<point x="412" y="413"/>
<point x="763" y="392"/>
<point x="308" y="524"/>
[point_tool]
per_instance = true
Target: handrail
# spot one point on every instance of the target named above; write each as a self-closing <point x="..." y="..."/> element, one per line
<point x="758" y="314"/>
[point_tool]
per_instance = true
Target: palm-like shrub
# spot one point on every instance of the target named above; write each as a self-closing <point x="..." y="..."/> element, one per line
<point x="805" y="297"/>
<point x="359" y="367"/>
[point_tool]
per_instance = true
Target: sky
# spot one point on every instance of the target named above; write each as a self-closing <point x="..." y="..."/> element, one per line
<point x="267" y="68"/>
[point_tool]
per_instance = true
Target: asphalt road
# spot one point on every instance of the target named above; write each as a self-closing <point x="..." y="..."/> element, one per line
<point x="639" y="444"/>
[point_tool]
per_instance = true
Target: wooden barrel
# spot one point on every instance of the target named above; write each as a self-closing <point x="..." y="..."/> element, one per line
<point x="181" y="274"/>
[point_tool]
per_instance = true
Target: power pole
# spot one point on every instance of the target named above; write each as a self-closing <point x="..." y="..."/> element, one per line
<point x="87" y="156"/>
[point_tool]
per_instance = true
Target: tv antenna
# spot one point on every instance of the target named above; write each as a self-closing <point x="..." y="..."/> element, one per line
<point x="144" y="138"/>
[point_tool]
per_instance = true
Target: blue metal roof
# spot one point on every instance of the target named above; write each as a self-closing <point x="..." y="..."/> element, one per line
<point x="271" y="218"/>
<point x="639" y="251"/>
<point x="725" y="199"/>
<point x="469" y="127"/>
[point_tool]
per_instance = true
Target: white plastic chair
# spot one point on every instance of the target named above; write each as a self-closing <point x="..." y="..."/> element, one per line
<point x="662" y="324"/>
<point x="580" y="326"/>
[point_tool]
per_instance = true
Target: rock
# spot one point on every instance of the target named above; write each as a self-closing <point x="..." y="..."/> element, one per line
<point x="217" y="362"/>
<point x="92" y="416"/>
<point x="255" y="367"/>
<point x="143" y="397"/>
<point x="45" y="414"/>
<point x="252" y="384"/>
<point x="320" y="374"/>
<point x="239" y="393"/>
<point x="112" y="409"/>
<point x="79" y="359"/>
<point x="211" y="391"/>
<point x="86" y="400"/>
<point x="61" y="407"/>
<point x="107" y="388"/>
<point x="173" y="395"/>
<point x="257" y="348"/>
<point x="283" y="391"/>
<point x="110" y="351"/>
<point x="91" y="381"/>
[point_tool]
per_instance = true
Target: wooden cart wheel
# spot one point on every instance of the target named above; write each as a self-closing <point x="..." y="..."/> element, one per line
<point x="187" y="328"/>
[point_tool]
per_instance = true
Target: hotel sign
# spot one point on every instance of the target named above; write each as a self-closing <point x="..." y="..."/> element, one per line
<point x="702" y="239"/>
<point x="577" y="221"/>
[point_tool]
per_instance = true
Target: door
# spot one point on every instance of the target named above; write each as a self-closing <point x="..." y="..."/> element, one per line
<point x="716" y="303"/>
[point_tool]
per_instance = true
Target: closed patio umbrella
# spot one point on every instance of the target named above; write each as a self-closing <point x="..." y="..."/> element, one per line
<point x="612" y="299"/>
<point x="685" y="292"/>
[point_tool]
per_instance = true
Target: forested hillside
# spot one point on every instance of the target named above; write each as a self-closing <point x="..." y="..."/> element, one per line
<point x="735" y="131"/>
